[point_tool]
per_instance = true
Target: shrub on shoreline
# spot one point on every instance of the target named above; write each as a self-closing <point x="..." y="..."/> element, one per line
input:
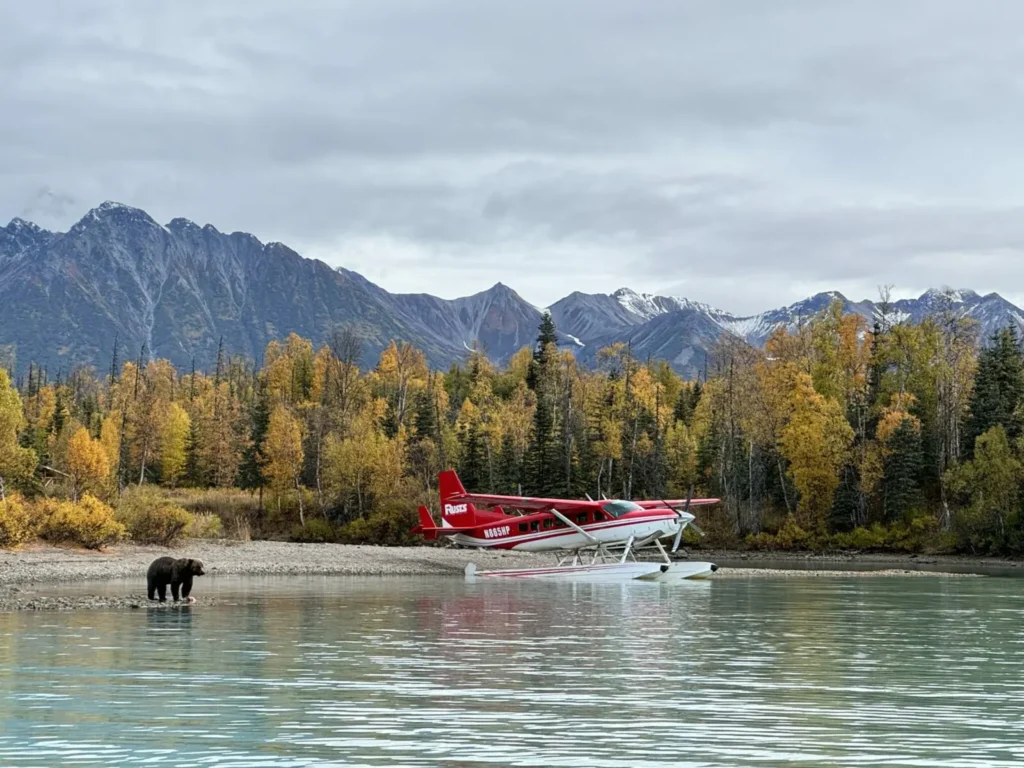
<point x="315" y="531"/>
<point x="919" y="534"/>
<point x="89" y="523"/>
<point x="17" y="524"/>
<point x="152" y="518"/>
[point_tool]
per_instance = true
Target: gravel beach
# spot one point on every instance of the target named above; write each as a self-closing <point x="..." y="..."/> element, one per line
<point x="24" y="573"/>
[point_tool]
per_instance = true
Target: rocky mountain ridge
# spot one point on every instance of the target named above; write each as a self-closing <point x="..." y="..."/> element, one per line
<point x="176" y="290"/>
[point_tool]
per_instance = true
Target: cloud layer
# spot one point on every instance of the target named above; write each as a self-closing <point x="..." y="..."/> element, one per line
<point x="742" y="153"/>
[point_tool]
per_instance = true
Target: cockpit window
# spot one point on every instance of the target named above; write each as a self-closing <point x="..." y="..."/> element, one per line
<point x="619" y="508"/>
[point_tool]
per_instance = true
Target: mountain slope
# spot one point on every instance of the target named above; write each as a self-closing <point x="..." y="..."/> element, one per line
<point x="685" y="338"/>
<point x="178" y="289"/>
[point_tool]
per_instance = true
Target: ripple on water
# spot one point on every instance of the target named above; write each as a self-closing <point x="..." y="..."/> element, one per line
<point x="427" y="672"/>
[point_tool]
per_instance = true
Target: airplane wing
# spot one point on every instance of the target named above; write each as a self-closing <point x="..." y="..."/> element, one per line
<point x="656" y="504"/>
<point x="523" y="502"/>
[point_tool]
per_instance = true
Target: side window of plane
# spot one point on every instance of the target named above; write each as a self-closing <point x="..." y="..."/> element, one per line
<point x="548" y="523"/>
<point x="522" y="527"/>
<point x="581" y="518"/>
<point x="535" y="525"/>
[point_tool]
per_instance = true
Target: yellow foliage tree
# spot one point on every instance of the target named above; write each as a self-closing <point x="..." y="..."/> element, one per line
<point x="815" y="441"/>
<point x="16" y="463"/>
<point x="173" y="444"/>
<point x="110" y="437"/>
<point x="87" y="463"/>
<point x="283" y="451"/>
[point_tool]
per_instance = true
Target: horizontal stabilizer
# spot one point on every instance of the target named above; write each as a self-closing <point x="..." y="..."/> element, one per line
<point x="430" y="531"/>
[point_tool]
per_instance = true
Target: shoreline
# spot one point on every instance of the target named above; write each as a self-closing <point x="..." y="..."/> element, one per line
<point x="35" y="567"/>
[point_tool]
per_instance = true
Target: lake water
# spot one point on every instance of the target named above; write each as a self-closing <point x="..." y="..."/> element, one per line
<point x="333" y="671"/>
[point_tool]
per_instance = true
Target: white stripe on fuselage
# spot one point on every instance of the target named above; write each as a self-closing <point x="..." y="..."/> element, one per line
<point x="608" y="532"/>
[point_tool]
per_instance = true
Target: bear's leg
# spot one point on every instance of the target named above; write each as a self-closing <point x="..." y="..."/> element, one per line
<point x="162" y="589"/>
<point x="186" y="588"/>
<point x="151" y="588"/>
<point x="174" y="589"/>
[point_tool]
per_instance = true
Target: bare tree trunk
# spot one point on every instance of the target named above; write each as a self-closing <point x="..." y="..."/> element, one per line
<point x="319" y="461"/>
<point x="142" y="469"/>
<point x="782" y="479"/>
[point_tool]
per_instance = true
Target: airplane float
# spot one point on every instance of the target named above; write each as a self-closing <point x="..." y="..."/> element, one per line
<point x="593" y="540"/>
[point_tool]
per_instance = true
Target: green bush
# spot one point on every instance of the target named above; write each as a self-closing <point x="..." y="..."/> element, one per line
<point x="205" y="525"/>
<point x="151" y="518"/>
<point x="789" y="537"/>
<point x="916" y="535"/>
<point x="89" y="523"/>
<point x="238" y="511"/>
<point x="389" y="526"/>
<point x="874" y="537"/>
<point x="17" y="523"/>
<point x="315" y="531"/>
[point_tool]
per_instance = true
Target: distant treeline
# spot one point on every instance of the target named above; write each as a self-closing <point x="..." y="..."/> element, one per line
<point x="902" y="436"/>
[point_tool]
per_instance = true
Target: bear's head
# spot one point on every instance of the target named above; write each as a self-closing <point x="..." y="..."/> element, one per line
<point x="195" y="567"/>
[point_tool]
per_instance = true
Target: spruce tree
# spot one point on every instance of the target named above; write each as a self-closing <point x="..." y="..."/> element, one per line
<point x="508" y="478"/>
<point x="845" y="512"/>
<point x="251" y="475"/>
<point x="543" y="470"/>
<point x="998" y="388"/>
<point x="426" y="422"/>
<point x="902" y="465"/>
<point x="193" y="473"/>
<point x="60" y="414"/>
<point x="473" y="469"/>
<point x="684" y="407"/>
<point x="695" y="395"/>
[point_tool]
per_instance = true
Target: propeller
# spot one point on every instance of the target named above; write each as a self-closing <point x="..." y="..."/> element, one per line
<point x="679" y="534"/>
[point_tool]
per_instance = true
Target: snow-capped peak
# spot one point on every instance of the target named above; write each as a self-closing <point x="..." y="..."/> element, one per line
<point x="956" y="295"/>
<point x="18" y="224"/>
<point x="648" y="305"/>
<point x="111" y="205"/>
<point x="642" y="304"/>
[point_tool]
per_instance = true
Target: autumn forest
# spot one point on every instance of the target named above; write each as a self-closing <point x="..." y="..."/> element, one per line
<point x="837" y="435"/>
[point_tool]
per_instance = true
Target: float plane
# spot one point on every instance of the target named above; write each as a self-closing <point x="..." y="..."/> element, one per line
<point x="593" y="540"/>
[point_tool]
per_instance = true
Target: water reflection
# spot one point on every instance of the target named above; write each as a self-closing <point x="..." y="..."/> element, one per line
<point x="342" y="671"/>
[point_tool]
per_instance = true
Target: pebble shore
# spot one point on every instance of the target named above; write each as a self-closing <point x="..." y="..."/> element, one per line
<point x="24" y="573"/>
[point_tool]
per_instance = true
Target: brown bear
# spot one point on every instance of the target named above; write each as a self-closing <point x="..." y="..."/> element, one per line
<point x="177" y="573"/>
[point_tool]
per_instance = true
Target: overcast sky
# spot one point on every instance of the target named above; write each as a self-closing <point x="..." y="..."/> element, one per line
<point x="741" y="152"/>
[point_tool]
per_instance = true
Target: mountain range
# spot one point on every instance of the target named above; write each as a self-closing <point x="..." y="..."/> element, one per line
<point x="176" y="290"/>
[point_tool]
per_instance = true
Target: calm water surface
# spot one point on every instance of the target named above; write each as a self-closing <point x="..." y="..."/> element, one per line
<point x="331" y="671"/>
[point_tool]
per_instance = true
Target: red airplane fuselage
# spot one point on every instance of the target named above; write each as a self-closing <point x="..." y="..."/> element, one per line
<point x="547" y="524"/>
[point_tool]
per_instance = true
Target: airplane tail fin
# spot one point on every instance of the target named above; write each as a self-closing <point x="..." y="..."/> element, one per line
<point x="426" y="528"/>
<point x="454" y="513"/>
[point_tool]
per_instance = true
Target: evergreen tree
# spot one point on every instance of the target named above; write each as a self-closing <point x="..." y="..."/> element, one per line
<point x="473" y="469"/>
<point x="684" y="406"/>
<point x="193" y="471"/>
<point x="902" y="467"/>
<point x="60" y="414"/>
<point x="457" y="385"/>
<point x="508" y="478"/>
<point x="251" y="474"/>
<point x="426" y="421"/>
<point x="543" y="470"/>
<point x="998" y="389"/>
<point x="846" y="503"/>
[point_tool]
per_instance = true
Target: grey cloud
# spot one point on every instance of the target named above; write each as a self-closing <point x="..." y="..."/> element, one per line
<point x="743" y="152"/>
